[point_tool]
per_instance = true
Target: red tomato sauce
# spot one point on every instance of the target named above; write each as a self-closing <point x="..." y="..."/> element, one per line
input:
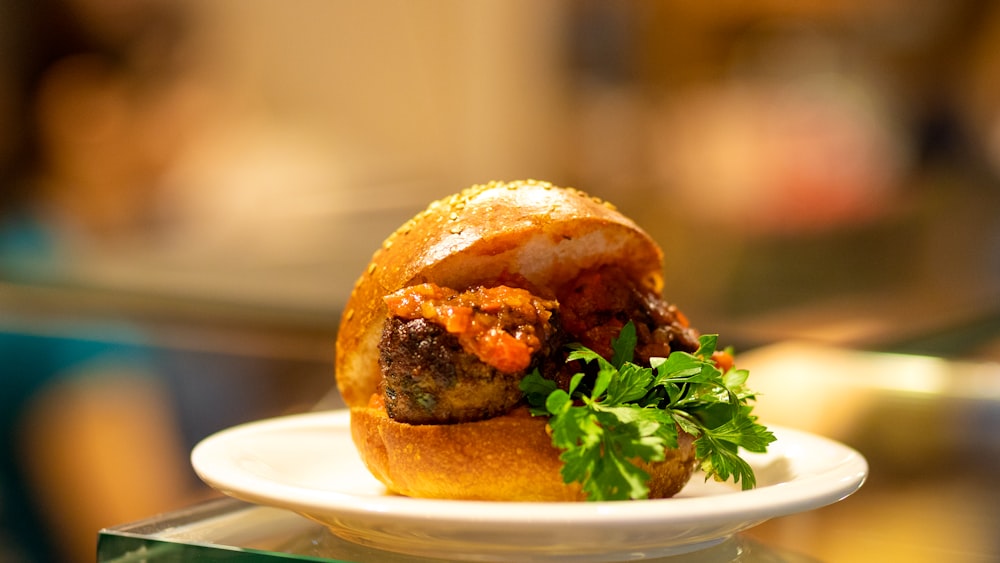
<point x="501" y="325"/>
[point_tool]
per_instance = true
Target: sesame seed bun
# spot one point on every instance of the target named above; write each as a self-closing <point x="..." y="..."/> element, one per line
<point x="544" y="235"/>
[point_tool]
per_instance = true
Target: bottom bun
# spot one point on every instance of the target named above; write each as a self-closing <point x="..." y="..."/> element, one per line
<point x="509" y="458"/>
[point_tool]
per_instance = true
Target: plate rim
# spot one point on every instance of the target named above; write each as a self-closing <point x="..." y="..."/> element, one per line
<point x="762" y="503"/>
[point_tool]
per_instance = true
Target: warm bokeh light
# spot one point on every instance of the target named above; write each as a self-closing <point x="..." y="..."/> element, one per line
<point x="204" y="181"/>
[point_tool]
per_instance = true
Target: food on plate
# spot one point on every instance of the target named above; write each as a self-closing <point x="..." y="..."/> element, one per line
<point x="511" y="342"/>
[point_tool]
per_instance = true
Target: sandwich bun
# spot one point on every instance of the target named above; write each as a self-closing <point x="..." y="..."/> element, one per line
<point x="544" y="235"/>
<point x="508" y="457"/>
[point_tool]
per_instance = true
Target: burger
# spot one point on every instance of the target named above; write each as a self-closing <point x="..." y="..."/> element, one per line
<point x="511" y="342"/>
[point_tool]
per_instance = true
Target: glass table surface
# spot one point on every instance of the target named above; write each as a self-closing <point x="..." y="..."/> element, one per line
<point x="927" y="426"/>
<point x="230" y="530"/>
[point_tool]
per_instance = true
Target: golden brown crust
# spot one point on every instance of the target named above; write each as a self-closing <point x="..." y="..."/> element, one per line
<point x="541" y="232"/>
<point x="510" y="457"/>
<point x="530" y="231"/>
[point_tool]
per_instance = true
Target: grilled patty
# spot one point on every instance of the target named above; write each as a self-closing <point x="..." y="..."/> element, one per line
<point x="448" y="356"/>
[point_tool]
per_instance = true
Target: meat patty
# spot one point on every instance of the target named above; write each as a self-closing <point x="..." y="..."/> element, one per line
<point x="429" y="378"/>
<point x="448" y="356"/>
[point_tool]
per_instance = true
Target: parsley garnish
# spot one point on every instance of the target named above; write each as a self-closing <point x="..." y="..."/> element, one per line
<point x="630" y="412"/>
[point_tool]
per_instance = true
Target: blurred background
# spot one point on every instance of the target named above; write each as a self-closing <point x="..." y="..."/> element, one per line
<point x="189" y="190"/>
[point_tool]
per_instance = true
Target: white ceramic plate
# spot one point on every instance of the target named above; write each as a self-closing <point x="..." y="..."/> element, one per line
<point x="308" y="464"/>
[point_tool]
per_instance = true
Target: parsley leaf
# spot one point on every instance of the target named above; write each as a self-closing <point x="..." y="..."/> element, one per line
<point x="628" y="412"/>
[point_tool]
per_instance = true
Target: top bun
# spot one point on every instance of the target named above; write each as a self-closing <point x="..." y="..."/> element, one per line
<point x="537" y="232"/>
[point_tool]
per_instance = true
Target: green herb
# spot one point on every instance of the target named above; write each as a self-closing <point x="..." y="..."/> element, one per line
<point x="630" y="412"/>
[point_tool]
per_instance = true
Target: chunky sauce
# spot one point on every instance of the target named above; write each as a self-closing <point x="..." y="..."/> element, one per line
<point x="598" y="303"/>
<point x="501" y="325"/>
